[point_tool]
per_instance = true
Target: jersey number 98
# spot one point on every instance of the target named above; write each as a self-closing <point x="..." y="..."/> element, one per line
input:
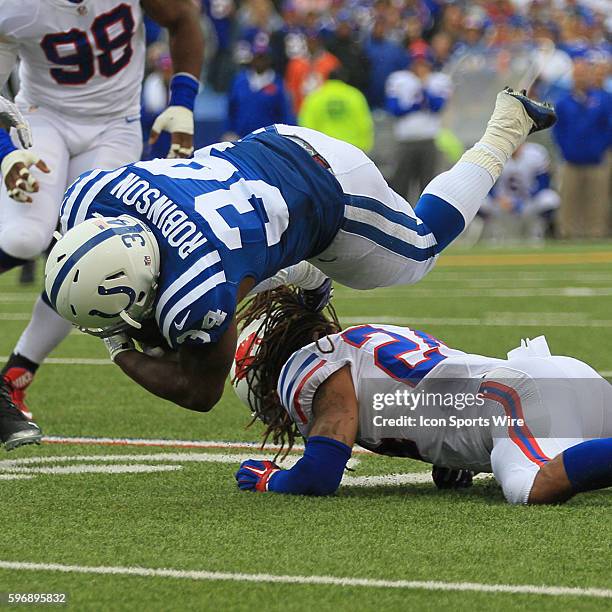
<point x="74" y="51"/>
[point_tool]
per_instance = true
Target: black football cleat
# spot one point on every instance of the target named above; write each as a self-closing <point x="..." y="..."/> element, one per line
<point x="541" y="113"/>
<point x="317" y="299"/>
<point x="449" y="478"/>
<point x="15" y="429"/>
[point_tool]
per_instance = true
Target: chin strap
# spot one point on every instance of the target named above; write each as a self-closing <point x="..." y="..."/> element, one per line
<point x="132" y="322"/>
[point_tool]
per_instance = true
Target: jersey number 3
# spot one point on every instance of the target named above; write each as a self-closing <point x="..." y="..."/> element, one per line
<point x="112" y="35"/>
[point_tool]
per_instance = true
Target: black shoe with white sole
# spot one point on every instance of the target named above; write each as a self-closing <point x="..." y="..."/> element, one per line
<point x="541" y="113"/>
<point x="15" y="429"/>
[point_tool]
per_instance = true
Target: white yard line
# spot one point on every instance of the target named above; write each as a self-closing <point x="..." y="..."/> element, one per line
<point x="536" y="320"/>
<point x="516" y="274"/>
<point x="23" y="465"/>
<point x="134" y="468"/>
<point x="9" y="464"/>
<point x="396" y="479"/>
<point x="465" y="292"/>
<point x="143" y="442"/>
<point x="215" y="444"/>
<point x="70" y="360"/>
<point x="25" y="298"/>
<point x="341" y="581"/>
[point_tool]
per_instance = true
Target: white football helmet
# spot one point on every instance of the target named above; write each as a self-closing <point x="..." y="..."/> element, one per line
<point x="248" y="342"/>
<point x="102" y="274"/>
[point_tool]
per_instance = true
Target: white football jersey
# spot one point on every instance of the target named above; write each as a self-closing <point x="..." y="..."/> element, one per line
<point x="84" y="59"/>
<point x="387" y="359"/>
<point x="519" y="175"/>
<point x="408" y="89"/>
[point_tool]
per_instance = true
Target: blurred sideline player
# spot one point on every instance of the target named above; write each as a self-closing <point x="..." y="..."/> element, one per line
<point x="81" y="69"/>
<point x="301" y="375"/>
<point x="176" y="246"/>
<point x="522" y="194"/>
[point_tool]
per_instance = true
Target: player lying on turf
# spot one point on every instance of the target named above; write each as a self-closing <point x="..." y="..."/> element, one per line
<point x="301" y="375"/>
<point x="185" y="241"/>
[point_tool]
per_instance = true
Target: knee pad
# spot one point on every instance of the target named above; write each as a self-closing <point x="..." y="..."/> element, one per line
<point x="24" y="243"/>
<point x="516" y="480"/>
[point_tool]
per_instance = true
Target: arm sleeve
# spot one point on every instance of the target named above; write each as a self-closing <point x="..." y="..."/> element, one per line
<point x="318" y="472"/>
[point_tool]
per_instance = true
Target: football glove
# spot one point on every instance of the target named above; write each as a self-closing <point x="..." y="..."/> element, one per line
<point x="256" y="475"/>
<point x="447" y="478"/>
<point x="174" y="119"/>
<point x="18" y="189"/>
<point x="10" y="116"/>
<point x="317" y="299"/>
<point x="117" y="344"/>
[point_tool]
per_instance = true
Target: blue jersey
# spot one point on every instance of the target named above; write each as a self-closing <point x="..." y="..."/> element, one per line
<point x="235" y="210"/>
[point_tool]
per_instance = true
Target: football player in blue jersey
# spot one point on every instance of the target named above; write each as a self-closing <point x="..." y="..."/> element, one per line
<point x="175" y="245"/>
<point x="81" y="65"/>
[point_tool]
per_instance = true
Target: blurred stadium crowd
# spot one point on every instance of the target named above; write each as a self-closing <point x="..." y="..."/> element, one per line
<point x="390" y="77"/>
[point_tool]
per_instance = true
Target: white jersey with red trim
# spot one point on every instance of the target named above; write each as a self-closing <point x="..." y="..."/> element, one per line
<point x="384" y="360"/>
<point x="530" y="389"/>
<point x="79" y="58"/>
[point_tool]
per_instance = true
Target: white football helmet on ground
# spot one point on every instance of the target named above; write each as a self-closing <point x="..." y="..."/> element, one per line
<point x="102" y="274"/>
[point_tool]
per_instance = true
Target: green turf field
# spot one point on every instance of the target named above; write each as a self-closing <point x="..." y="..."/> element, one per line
<point x="89" y="507"/>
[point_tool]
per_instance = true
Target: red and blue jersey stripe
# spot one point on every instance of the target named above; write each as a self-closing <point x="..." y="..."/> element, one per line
<point x="520" y="434"/>
<point x="303" y="366"/>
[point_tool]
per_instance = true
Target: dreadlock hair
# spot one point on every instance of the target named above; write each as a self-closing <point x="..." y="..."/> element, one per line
<point x="287" y="326"/>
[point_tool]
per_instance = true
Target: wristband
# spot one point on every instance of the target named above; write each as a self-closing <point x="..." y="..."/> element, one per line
<point x="6" y="144"/>
<point x="183" y="90"/>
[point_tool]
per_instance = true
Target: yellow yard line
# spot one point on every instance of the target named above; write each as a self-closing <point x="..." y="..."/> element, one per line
<point x="526" y="259"/>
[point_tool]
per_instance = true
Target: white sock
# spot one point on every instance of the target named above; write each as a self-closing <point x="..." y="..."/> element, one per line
<point x="303" y="275"/>
<point x="506" y="131"/>
<point x="44" y="332"/>
<point x="465" y="186"/>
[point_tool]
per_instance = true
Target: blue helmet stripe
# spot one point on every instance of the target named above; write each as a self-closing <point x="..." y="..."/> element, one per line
<point x="73" y="259"/>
